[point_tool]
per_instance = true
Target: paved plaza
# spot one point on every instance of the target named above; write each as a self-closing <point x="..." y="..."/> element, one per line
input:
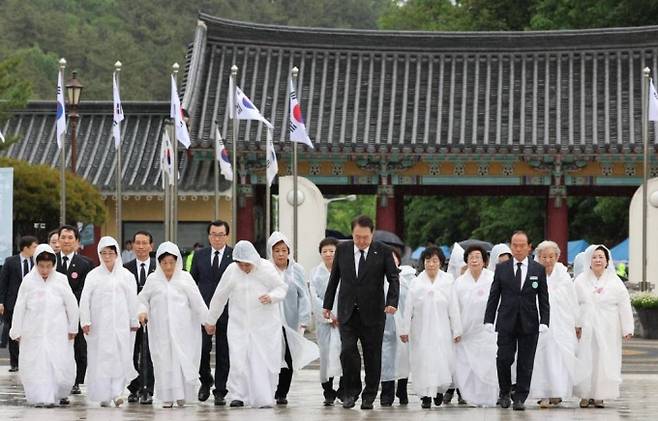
<point x="638" y="402"/>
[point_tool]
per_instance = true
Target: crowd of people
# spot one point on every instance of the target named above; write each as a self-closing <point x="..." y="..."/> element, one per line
<point x="495" y="328"/>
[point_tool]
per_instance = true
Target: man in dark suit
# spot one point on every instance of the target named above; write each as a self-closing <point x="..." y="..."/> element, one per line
<point x="142" y="266"/>
<point x="13" y="271"/>
<point x="208" y="266"/>
<point x="520" y="287"/>
<point x="360" y="266"/>
<point x="75" y="267"/>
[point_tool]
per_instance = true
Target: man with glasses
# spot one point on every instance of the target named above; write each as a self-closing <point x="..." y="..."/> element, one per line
<point x="208" y="266"/>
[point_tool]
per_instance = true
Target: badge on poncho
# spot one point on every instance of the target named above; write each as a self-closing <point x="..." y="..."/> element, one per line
<point x="535" y="285"/>
<point x="74" y="275"/>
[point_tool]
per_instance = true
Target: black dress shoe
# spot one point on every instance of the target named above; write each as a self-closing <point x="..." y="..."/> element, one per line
<point x="204" y="393"/>
<point x="132" y="398"/>
<point x="64" y="401"/>
<point x="505" y="401"/>
<point x="348" y="402"/>
<point x="236" y="404"/>
<point x="146" y="399"/>
<point x="425" y="402"/>
<point x="329" y="402"/>
<point x="518" y="406"/>
<point x="13" y="369"/>
<point x="281" y="401"/>
<point x="386" y="403"/>
<point x="75" y="390"/>
<point x="447" y="397"/>
<point x="220" y="401"/>
<point x="438" y="399"/>
<point x="366" y="404"/>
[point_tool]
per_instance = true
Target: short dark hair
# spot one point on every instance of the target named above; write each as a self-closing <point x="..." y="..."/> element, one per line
<point x="475" y="247"/>
<point x="27" y="241"/>
<point x="69" y="228"/>
<point x="363" y="221"/>
<point x="219" y="223"/>
<point x="165" y="254"/>
<point x="329" y="241"/>
<point x="53" y="232"/>
<point x="46" y="256"/>
<point x="145" y="234"/>
<point x="433" y="251"/>
<point x="521" y="232"/>
<point x="605" y="253"/>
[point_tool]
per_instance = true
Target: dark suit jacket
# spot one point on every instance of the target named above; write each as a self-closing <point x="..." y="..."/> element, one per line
<point x="201" y="271"/>
<point x="518" y="303"/>
<point x="11" y="277"/>
<point x="78" y="268"/>
<point x="367" y="291"/>
<point x="132" y="267"/>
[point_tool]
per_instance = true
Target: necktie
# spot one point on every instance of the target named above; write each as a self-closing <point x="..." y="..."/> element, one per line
<point x="517" y="276"/>
<point x="362" y="262"/>
<point x="215" y="264"/>
<point x="65" y="263"/>
<point x="26" y="268"/>
<point x="142" y="274"/>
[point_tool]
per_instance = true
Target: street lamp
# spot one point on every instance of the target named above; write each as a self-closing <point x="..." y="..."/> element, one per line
<point x="349" y="198"/>
<point x="73" y="90"/>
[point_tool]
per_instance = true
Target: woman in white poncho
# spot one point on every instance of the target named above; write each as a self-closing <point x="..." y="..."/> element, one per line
<point x="606" y="317"/>
<point x="499" y="253"/>
<point x="252" y="287"/>
<point x="108" y="316"/>
<point x="45" y="323"/>
<point x="554" y="372"/>
<point x="174" y="308"/>
<point x="475" y="353"/>
<point x="431" y="323"/>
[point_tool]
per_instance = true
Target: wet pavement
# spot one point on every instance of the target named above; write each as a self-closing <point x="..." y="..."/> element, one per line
<point x="638" y="402"/>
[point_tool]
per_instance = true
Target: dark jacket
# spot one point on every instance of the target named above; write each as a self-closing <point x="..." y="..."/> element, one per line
<point x="518" y="303"/>
<point x="367" y="291"/>
<point x="132" y="267"/>
<point x="78" y="268"/>
<point x="201" y="271"/>
<point x="11" y="277"/>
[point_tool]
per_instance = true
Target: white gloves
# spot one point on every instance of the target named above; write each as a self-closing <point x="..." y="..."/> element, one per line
<point x="543" y="328"/>
<point x="490" y="327"/>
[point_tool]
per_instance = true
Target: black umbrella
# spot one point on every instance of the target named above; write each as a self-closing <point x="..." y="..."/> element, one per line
<point x="487" y="246"/>
<point x="389" y="238"/>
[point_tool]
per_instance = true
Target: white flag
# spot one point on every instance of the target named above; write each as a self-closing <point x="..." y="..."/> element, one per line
<point x="118" y="112"/>
<point x="272" y="165"/>
<point x="246" y="110"/>
<point x="167" y="159"/>
<point x="225" y="166"/>
<point x="60" y="116"/>
<point x="297" y="127"/>
<point x="653" y="102"/>
<point x="176" y="113"/>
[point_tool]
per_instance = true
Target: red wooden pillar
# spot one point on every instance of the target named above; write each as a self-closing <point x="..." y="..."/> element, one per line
<point x="386" y="209"/>
<point x="557" y="224"/>
<point x="245" y="218"/>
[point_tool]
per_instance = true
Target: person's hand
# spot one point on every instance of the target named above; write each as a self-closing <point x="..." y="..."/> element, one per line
<point x="326" y="313"/>
<point x="490" y="327"/>
<point x="265" y="299"/>
<point x="334" y="320"/>
<point x="390" y="310"/>
<point x="543" y="328"/>
<point x="404" y="338"/>
<point x="457" y="339"/>
<point x="302" y="329"/>
<point x="579" y="332"/>
<point x="18" y="339"/>
<point x="134" y="329"/>
<point x="86" y="329"/>
<point x="628" y="337"/>
<point x="210" y="329"/>
<point x="2" y="309"/>
<point x="143" y="319"/>
<point x="72" y="336"/>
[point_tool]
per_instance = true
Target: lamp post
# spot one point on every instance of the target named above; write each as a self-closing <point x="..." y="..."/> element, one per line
<point x="348" y="198"/>
<point x="73" y="90"/>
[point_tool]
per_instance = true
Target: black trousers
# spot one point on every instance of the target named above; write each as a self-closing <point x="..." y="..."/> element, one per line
<point x="222" y="364"/>
<point x="508" y="345"/>
<point x="80" y="351"/>
<point x="390" y="391"/>
<point x="371" y="343"/>
<point x="12" y="344"/>
<point x="328" y="389"/>
<point x="142" y="348"/>
<point x="285" y="375"/>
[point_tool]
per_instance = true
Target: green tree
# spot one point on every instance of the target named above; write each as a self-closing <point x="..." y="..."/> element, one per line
<point x="14" y="93"/>
<point x="340" y="214"/>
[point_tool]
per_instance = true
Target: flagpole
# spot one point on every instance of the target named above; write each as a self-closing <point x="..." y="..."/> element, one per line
<point x="174" y="199"/>
<point x="645" y="173"/>
<point x="234" y="186"/>
<point x="119" y="202"/>
<point x="166" y="187"/>
<point x="295" y="73"/>
<point x="268" y="192"/>
<point x="62" y="158"/>
<point x="216" y="174"/>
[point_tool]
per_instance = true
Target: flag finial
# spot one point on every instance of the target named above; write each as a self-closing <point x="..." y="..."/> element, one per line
<point x="62" y="63"/>
<point x="117" y="66"/>
<point x="295" y="72"/>
<point x="175" y="67"/>
<point x="646" y="71"/>
<point x="234" y="70"/>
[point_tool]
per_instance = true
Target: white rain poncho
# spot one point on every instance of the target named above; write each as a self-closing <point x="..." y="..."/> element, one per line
<point x="431" y="319"/>
<point x="109" y="306"/>
<point x="175" y="312"/>
<point x="605" y="317"/>
<point x="475" y="354"/>
<point x="456" y="262"/>
<point x="554" y="372"/>
<point x="495" y="253"/>
<point x="328" y="336"/>
<point x="254" y="329"/>
<point x="44" y="314"/>
<point x="395" y="353"/>
<point x="580" y="264"/>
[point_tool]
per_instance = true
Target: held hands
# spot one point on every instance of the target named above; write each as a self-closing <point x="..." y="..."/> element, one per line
<point x="489" y="327"/>
<point x="86" y="329"/>
<point x="390" y="310"/>
<point x="543" y="328"/>
<point x="134" y="329"/>
<point x="143" y="319"/>
<point x="326" y="313"/>
<point x="265" y="299"/>
<point x="628" y="337"/>
<point x="72" y="336"/>
<point x="404" y="338"/>
<point x="457" y="339"/>
<point x="210" y="329"/>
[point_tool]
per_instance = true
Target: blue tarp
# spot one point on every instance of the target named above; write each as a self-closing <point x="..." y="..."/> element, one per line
<point x="620" y="252"/>
<point x="574" y="247"/>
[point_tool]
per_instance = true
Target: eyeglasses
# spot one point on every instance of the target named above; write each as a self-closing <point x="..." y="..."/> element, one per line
<point x="217" y="235"/>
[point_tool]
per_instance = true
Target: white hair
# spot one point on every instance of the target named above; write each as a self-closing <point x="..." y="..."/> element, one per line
<point x="546" y="245"/>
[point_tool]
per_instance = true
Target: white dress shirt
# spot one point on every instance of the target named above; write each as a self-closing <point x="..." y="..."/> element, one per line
<point x="68" y="262"/>
<point x="357" y="256"/>
<point x="219" y="256"/>
<point x="524" y="270"/>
